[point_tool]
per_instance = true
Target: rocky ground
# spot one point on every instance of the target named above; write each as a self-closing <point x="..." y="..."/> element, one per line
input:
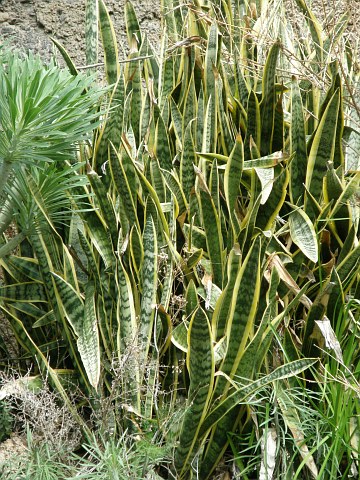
<point x="31" y="23"/>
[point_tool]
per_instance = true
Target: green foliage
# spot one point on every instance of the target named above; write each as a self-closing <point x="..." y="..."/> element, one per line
<point x="99" y="460"/>
<point x="210" y="248"/>
<point x="117" y="459"/>
<point x="45" y="111"/>
<point x="6" y="421"/>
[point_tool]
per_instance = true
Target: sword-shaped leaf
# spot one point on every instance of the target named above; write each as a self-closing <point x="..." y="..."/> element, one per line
<point x="232" y="177"/>
<point x="22" y="266"/>
<point x="223" y="305"/>
<point x="315" y="29"/>
<point x="240" y="395"/>
<point x="133" y="79"/>
<point x="268" y="101"/>
<point x="266" y="177"/>
<point x="32" y="292"/>
<point x="262" y="162"/>
<point x="268" y="212"/>
<point x="292" y="419"/>
<point x="112" y="68"/>
<point x="200" y="363"/>
<point x="105" y="203"/>
<point x="188" y="159"/>
<point x="162" y="145"/>
<point x="303" y="234"/>
<point x="149" y="288"/>
<point x="322" y="150"/>
<point x="243" y="295"/>
<point x="132" y="24"/>
<point x="298" y="164"/>
<point x="127" y="332"/>
<point x="91" y="32"/>
<point x="88" y="341"/>
<point x="82" y="318"/>
<point x="100" y="238"/>
<point x="176" y="189"/>
<point x="70" y="302"/>
<point x="112" y="128"/>
<point x="214" y="239"/>
<point x="122" y="172"/>
<point x="253" y="129"/>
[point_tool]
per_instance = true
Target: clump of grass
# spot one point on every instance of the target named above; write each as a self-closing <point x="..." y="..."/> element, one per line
<point x="40" y="461"/>
<point x="117" y="459"/>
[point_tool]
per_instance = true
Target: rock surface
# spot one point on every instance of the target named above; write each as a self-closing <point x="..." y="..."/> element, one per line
<point x="30" y="24"/>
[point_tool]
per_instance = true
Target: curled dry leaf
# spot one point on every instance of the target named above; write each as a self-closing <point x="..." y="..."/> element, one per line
<point x="329" y="338"/>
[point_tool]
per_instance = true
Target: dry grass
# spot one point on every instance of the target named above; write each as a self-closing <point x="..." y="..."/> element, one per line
<point x="40" y="410"/>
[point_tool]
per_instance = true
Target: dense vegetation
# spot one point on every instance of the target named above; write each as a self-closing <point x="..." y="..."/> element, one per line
<point x="182" y="278"/>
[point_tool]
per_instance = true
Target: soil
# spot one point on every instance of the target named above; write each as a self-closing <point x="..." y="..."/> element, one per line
<point x="13" y="447"/>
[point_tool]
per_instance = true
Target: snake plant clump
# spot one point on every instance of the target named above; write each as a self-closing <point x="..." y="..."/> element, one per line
<point x="217" y="255"/>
